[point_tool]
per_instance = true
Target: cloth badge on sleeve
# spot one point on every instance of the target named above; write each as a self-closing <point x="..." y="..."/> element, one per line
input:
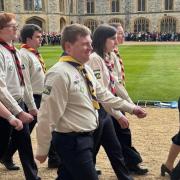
<point x="47" y="90"/>
<point x="23" y="66"/>
<point x="97" y="74"/>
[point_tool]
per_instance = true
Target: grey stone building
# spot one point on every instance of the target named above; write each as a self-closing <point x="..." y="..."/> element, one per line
<point x="134" y="15"/>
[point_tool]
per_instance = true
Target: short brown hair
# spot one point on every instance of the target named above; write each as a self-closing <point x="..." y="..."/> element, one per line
<point x="5" y="18"/>
<point x="28" y="30"/>
<point x="116" y="25"/>
<point x="71" y="32"/>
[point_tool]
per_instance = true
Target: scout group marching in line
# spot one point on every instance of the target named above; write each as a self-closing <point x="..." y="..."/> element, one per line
<point x="77" y="105"/>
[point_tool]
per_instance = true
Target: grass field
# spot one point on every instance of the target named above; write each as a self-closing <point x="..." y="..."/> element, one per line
<point x="152" y="71"/>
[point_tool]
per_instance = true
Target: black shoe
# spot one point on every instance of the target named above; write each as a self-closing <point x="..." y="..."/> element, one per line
<point x="164" y="170"/>
<point x="53" y="163"/>
<point x="137" y="170"/>
<point x="10" y="165"/>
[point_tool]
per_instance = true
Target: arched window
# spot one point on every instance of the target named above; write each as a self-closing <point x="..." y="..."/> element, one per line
<point x="62" y="23"/>
<point x="168" y="25"/>
<point x="91" y="24"/>
<point x="141" y="5"/>
<point x="90" y="6"/>
<point x="115" y="6"/>
<point x="1" y="5"/>
<point x="35" y="20"/>
<point x="61" y="5"/>
<point x="33" y="5"/>
<point x="168" y="5"/>
<point x="116" y="20"/>
<point x="141" y="25"/>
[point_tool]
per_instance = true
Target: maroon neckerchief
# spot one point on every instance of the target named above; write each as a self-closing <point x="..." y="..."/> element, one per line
<point x="110" y="66"/>
<point x="122" y="66"/>
<point x="17" y="62"/>
<point x="38" y="55"/>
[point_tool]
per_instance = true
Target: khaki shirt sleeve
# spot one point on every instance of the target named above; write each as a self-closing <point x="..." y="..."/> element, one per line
<point x="115" y="113"/>
<point x="53" y="105"/>
<point x="120" y="89"/>
<point x="122" y="92"/>
<point x="28" y="94"/>
<point x="107" y="99"/>
<point x="5" y="97"/>
<point x="96" y="65"/>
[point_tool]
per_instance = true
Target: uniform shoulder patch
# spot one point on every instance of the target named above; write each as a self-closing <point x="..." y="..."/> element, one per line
<point x="47" y="90"/>
<point x="97" y="73"/>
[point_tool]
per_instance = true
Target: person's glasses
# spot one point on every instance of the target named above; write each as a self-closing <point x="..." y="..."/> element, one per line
<point x="14" y="26"/>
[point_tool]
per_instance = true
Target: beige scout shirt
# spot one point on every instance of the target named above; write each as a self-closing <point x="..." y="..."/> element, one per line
<point x="67" y="105"/>
<point x="10" y="88"/>
<point x="33" y="72"/>
<point x="102" y="74"/>
<point x="120" y="89"/>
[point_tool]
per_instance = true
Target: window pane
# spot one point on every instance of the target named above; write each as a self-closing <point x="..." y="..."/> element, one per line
<point x="113" y="6"/>
<point x="90" y="6"/>
<point x="139" y="5"/>
<point x="168" y="25"/>
<point x="71" y="6"/>
<point x="143" y="5"/>
<point x="117" y="6"/>
<point x="1" y="5"/>
<point x="28" y="5"/>
<point x="37" y="5"/>
<point x="170" y="4"/>
<point x="61" y="5"/>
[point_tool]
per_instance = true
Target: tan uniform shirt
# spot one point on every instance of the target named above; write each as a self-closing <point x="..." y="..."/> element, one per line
<point x="67" y="105"/>
<point x="33" y="73"/>
<point x="102" y="74"/>
<point x="120" y="89"/>
<point x="10" y="88"/>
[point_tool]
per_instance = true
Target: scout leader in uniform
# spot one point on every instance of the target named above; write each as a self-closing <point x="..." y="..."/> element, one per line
<point x="70" y="105"/>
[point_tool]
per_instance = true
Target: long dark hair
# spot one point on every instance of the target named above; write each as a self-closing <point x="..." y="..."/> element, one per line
<point x="101" y="34"/>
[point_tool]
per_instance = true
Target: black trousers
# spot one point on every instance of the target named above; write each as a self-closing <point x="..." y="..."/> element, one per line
<point x="37" y="99"/>
<point x="176" y="172"/>
<point x="31" y="125"/>
<point x="76" y="153"/>
<point x="21" y="141"/>
<point x="105" y="135"/>
<point x="131" y="156"/>
<point x="176" y="139"/>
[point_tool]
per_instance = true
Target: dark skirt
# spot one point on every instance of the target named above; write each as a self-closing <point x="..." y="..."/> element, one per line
<point x="176" y="139"/>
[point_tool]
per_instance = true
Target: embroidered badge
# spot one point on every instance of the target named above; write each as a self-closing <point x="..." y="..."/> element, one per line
<point x="10" y="68"/>
<point x="82" y="89"/>
<point x="76" y="82"/>
<point x="97" y="74"/>
<point x="47" y="90"/>
<point x="23" y="66"/>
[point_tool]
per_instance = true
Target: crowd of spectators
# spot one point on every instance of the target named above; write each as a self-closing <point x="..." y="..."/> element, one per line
<point x="154" y="36"/>
<point x="51" y="38"/>
<point x="55" y="38"/>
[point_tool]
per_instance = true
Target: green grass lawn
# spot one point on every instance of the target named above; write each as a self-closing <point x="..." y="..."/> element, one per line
<point x="152" y="71"/>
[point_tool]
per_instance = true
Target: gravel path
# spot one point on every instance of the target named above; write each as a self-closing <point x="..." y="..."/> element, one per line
<point x="151" y="136"/>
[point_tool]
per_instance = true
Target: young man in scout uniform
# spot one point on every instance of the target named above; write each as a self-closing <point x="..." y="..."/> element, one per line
<point x="13" y="94"/>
